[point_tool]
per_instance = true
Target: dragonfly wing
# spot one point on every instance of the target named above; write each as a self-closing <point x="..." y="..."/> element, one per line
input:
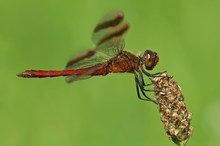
<point x="70" y="79"/>
<point x="112" y="46"/>
<point x="86" y="74"/>
<point x="108" y="35"/>
<point x="111" y="19"/>
<point x="85" y="60"/>
<point x="77" y="59"/>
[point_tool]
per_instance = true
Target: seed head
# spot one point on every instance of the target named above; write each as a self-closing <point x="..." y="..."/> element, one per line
<point x="173" y="112"/>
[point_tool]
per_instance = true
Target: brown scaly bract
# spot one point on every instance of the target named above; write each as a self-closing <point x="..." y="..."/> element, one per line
<point x="173" y="112"/>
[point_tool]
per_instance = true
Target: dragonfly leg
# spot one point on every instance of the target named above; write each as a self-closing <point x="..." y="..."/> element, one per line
<point x="158" y="73"/>
<point x="139" y="85"/>
<point x="149" y="74"/>
<point x="138" y="92"/>
<point x="142" y="80"/>
<point x="143" y="84"/>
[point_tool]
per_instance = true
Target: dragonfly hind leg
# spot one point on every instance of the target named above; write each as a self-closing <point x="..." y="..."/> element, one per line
<point x="139" y="85"/>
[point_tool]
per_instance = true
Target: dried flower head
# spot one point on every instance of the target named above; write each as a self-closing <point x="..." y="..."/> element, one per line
<point x="173" y="112"/>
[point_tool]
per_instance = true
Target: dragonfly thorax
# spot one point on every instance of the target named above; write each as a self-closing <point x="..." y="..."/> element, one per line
<point x="150" y="59"/>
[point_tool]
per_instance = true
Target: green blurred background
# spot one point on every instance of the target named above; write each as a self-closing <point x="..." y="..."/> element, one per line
<point x="105" y="111"/>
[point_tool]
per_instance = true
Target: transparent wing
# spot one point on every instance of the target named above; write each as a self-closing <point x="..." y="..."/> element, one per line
<point x="108" y="35"/>
<point x="86" y="74"/>
<point x="85" y="60"/>
<point x="112" y="46"/>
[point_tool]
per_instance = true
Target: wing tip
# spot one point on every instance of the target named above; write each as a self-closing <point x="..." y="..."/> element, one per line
<point x="121" y="14"/>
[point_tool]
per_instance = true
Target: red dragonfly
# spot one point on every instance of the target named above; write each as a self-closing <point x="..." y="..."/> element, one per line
<point x="107" y="57"/>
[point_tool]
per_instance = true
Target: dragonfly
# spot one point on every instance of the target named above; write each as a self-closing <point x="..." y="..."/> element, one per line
<point x="108" y="56"/>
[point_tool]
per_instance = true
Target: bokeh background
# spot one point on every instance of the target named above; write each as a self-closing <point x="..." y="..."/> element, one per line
<point x="105" y="111"/>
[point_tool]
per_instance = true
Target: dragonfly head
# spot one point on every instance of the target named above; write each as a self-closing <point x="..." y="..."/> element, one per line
<point x="150" y="59"/>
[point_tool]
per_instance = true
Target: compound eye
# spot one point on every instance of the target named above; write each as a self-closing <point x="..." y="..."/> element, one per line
<point x="150" y="60"/>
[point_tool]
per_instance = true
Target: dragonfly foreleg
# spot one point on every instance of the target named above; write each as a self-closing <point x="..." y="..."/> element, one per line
<point x="139" y="85"/>
<point x="149" y="74"/>
<point x="158" y="73"/>
<point x="146" y="73"/>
